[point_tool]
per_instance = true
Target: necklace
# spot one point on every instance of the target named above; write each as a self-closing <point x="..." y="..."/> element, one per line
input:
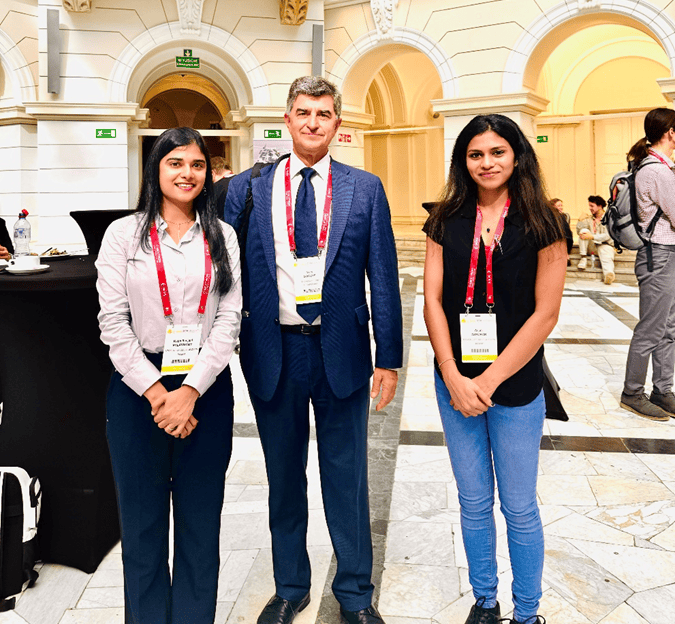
<point x="179" y="222"/>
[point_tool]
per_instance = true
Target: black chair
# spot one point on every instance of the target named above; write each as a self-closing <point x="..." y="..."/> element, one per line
<point x="94" y="223"/>
<point x="5" y="238"/>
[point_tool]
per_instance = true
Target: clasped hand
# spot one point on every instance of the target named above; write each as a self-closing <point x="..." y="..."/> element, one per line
<point x="172" y="411"/>
<point x="471" y="397"/>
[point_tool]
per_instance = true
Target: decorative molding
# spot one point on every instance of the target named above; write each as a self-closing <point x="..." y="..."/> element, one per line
<point x="293" y="12"/>
<point x="524" y="102"/>
<point x="77" y="6"/>
<point x="248" y="115"/>
<point x="12" y="115"/>
<point x="383" y="14"/>
<point x="190" y="12"/>
<point x="667" y="88"/>
<point x="62" y="111"/>
<point x="17" y="71"/>
<point x="586" y="5"/>
<point x="357" y="120"/>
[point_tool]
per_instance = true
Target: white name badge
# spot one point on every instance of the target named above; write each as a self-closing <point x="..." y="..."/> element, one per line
<point x="308" y="279"/>
<point x="479" y="337"/>
<point x="181" y="348"/>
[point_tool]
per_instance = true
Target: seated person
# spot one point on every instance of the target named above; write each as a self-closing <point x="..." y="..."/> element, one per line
<point x="6" y="247"/>
<point x="593" y="238"/>
<point x="558" y="205"/>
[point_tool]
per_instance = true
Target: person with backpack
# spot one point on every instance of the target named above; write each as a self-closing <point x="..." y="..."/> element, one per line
<point x="654" y="335"/>
<point x="593" y="237"/>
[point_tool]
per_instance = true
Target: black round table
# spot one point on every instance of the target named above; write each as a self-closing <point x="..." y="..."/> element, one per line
<point x="54" y="374"/>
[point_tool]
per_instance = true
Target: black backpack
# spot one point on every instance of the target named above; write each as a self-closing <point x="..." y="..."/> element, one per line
<point x="621" y="217"/>
<point x="20" y="502"/>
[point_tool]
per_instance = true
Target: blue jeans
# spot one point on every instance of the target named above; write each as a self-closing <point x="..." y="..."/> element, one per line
<point x="503" y="441"/>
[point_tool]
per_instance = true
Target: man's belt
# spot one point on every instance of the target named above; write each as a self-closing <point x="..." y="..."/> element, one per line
<point x="305" y="330"/>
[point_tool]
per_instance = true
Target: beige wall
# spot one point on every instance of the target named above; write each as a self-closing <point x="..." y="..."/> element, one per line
<point x="518" y="57"/>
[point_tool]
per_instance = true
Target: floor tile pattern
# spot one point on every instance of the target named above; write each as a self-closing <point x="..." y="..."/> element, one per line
<point x="606" y="489"/>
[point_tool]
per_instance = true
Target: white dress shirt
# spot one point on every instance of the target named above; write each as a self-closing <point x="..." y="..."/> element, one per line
<point x="288" y="314"/>
<point x="131" y="317"/>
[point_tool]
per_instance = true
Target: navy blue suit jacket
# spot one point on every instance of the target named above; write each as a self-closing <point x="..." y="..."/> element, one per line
<point x="360" y="242"/>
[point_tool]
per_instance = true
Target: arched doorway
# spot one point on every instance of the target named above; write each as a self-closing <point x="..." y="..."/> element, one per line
<point x="404" y="143"/>
<point x="600" y="80"/>
<point x="183" y="99"/>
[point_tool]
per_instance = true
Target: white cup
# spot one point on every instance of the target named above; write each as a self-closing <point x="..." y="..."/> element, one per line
<point x="25" y="262"/>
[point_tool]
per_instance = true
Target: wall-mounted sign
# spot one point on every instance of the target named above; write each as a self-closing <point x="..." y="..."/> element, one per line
<point x="344" y="138"/>
<point x="542" y="138"/>
<point x="106" y="134"/>
<point x="187" y="62"/>
<point x="272" y="134"/>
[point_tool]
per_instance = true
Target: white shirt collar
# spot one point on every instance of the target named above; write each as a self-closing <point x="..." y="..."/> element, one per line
<point x="321" y="167"/>
<point x="194" y="228"/>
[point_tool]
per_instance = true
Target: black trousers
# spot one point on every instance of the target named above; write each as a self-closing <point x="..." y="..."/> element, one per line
<point x="342" y="436"/>
<point x="151" y="468"/>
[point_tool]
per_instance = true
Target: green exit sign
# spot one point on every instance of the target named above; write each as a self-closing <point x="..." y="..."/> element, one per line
<point x="187" y="62"/>
<point x="542" y="138"/>
<point x="106" y="134"/>
<point x="272" y="134"/>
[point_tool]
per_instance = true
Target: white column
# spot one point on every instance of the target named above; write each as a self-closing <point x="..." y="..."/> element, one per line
<point x="18" y="167"/>
<point x="82" y="164"/>
<point x="521" y="107"/>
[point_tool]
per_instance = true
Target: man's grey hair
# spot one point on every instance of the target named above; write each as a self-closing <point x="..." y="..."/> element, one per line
<point x="314" y="86"/>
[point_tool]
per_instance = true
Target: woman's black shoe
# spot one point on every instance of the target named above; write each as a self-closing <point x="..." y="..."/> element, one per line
<point x="481" y="615"/>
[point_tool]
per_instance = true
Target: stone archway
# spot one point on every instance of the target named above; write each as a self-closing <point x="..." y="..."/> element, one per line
<point x="538" y="38"/>
<point x="23" y="88"/>
<point x="370" y="43"/>
<point x="226" y="61"/>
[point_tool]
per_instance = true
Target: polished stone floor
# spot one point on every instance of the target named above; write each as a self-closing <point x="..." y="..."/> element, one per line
<point x="606" y="488"/>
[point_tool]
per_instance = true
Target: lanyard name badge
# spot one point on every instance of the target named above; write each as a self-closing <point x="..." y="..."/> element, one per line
<point x="181" y="343"/>
<point x="479" y="331"/>
<point x="308" y="272"/>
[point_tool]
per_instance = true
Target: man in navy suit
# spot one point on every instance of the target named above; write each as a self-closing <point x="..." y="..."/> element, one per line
<point x="317" y="228"/>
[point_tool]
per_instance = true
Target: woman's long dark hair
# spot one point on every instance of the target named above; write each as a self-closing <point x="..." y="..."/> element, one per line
<point x="526" y="187"/>
<point x="150" y="201"/>
<point x="657" y="122"/>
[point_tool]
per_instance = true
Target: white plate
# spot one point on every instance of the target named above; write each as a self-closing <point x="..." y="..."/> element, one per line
<point x="57" y="257"/>
<point x="29" y="271"/>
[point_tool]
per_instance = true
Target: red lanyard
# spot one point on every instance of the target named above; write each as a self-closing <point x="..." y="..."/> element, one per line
<point x="161" y="274"/>
<point x="653" y="153"/>
<point x="289" y="209"/>
<point x="473" y="268"/>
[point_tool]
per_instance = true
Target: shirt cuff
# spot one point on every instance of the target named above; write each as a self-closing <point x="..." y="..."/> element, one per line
<point x="200" y="377"/>
<point x="141" y="377"/>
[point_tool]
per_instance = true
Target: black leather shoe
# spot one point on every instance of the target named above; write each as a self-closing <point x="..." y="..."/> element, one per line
<point x="480" y="615"/>
<point x="364" y="616"/>
<point x="281" y="611"/>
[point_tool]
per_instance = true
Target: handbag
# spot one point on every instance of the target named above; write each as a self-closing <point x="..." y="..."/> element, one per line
<point x="554" y="408"/>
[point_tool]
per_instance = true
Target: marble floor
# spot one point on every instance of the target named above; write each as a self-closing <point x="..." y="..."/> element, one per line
<point x="606" y="488"/>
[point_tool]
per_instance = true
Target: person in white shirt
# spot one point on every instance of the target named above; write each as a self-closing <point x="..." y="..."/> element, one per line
<point x="169" y="288"/>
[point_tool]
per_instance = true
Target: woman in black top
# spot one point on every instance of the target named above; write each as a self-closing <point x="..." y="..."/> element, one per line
<point x="493" y="281"/>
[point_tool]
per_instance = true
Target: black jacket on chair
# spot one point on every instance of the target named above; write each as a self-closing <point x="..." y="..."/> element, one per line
<point x="5" y="238"/>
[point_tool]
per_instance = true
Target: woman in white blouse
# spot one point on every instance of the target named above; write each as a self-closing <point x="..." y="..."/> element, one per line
<point x="170" y="294"/>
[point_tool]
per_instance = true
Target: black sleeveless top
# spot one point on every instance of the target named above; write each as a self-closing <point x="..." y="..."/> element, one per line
<point x="514" y="264"/>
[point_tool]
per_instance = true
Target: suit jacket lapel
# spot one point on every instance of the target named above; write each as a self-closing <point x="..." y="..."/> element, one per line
<point x="343" y="194"/>
<point x="262" y="208"/>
